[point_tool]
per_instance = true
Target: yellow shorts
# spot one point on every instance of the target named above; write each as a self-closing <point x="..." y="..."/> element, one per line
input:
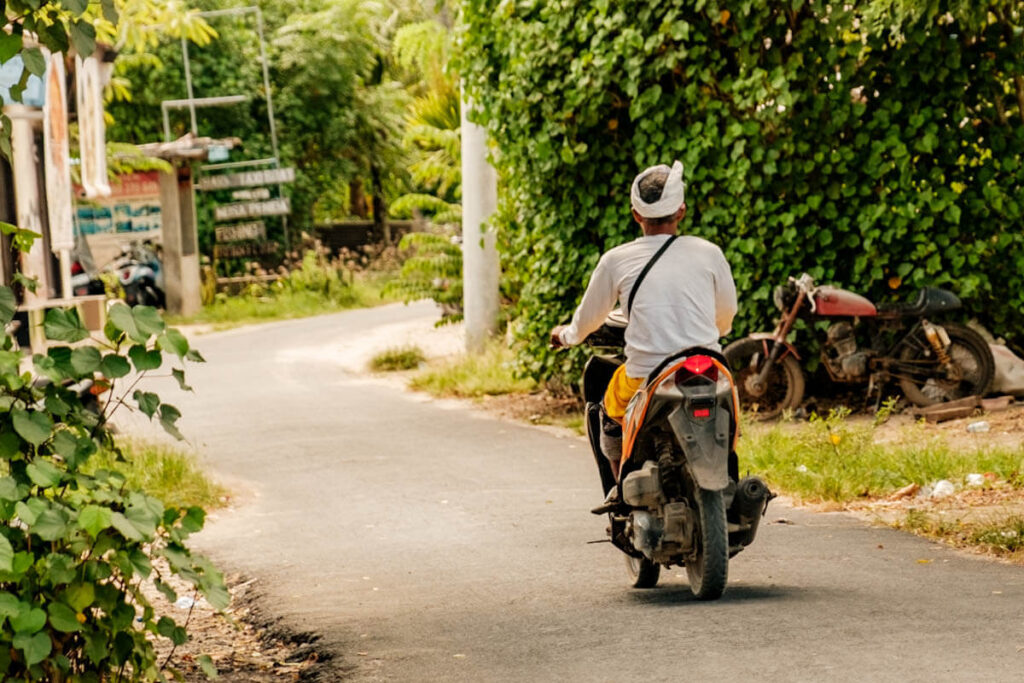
<point x="620" y="390"/>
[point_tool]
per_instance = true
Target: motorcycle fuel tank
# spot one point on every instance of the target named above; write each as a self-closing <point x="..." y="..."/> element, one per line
<point x="831" y="301"/>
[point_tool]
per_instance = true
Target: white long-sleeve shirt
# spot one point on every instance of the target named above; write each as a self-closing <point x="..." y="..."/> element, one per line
<point x="688" y="298"/>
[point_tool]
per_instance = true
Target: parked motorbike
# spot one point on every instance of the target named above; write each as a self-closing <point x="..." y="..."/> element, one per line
<point x="140" y="273"/>
<point x="865" y="344"/>
<point x="680" y="500"/>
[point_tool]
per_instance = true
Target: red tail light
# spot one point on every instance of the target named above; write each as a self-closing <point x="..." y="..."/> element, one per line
<point x="697" y="366"/>
<point x="76" y="268"/>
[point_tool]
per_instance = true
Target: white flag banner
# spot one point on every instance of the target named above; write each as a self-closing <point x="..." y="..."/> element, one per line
<point x="91" y="128"/>
<point x="57" y="157"/>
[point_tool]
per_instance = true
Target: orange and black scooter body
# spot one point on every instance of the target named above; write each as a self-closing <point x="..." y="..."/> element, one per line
<point x="700" y="412"/>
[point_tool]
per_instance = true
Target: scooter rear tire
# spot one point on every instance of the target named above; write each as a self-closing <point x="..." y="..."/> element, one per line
<point x="709" y="572"/>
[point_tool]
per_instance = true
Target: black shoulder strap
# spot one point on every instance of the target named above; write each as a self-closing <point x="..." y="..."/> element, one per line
<point x="647" y="269"/>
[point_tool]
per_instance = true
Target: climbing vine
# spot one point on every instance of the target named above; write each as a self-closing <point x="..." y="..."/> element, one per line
<point x="873" y="148"/>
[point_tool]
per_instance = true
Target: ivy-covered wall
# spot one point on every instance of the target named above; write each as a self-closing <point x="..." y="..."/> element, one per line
<point x="874" y="161"/>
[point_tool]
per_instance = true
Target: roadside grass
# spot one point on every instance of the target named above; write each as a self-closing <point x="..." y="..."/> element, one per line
<point x="265" y="304"/>
<point x="397" y="358"/>
<point x="998" y="533"/>
<point x="474" y="376"/>
<point x="163" y="471"/>
<point x="836" y="460"/>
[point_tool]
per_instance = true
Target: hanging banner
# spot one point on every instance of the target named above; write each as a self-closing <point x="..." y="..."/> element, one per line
<point x="57" y="162"/>
<point x="91" y="128"/>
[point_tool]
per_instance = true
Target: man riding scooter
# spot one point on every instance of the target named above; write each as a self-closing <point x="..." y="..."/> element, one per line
<point x="688" y="297"/>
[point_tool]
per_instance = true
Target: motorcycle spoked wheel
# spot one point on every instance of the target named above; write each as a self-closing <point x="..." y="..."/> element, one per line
<point x="785" y="385"/>
<point x="925" y="381"/>
<point x="642" y="572"/>
<point x="709" y="570"/>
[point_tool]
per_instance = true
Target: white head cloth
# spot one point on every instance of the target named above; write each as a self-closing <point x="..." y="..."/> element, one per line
<point x="672" y="196"/>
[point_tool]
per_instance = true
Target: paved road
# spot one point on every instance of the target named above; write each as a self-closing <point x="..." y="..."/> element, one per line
<point x="429" y="543"/>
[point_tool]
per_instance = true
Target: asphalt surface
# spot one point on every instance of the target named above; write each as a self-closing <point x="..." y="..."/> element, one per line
<point x="429" y="542"/>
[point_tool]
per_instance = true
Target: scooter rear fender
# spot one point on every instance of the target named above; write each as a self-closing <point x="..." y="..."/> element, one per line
<point x="704" y="439"/>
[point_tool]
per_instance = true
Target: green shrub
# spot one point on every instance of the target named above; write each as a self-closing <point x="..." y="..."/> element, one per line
<point x="77" y="543"/>
<point x="810" y="144"/>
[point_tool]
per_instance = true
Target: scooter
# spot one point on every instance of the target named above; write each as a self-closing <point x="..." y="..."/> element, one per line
<point x="141" y="275"/>
<point x="865" y="344"/>
<point x="679" y="499"/>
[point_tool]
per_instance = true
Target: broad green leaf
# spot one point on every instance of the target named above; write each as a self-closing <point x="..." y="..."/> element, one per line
<point x="63" y="618"/>
<point x="35" y="648"/>
<point x="28" y="511"/>
<point x="174" y="341"/>
<point x="127" y="529"/>
<point x="95" y="519"/>
<point x="43" y="473"/>
<point x="80" y="595"/>
<point x="143" y="359"/>
<point x="29" y="619"/>
<point x="109" y="11"/>
<point x="122" y="319"/>
<point x="10" y="606"/>
<point x="34" y="427"/>
<point x="34" y="61"/>
<point x="76" y="6"/>
<point x="85" y="360"/>
<point x="51" y="525"/>
<point x="165" y="626"/>
<point x="114" y="366"/>
<point x="64" y="325"/>
<point x="65" y="444"/>
<point x="148" y="402"/>
<point x="180" y="376"/>
<point x="194" y="519"/>
<point x="206" y="664"/>
<point x="60" y="569"/>
<point x="8" y="304"/>
<point x="168" y="417"/>
<point x="9" y="489"/>
<point x="96" y="648"/>
<point x="194" y="356"/>
<point x="6" y="555"/>
<point x="148" y="320"/>
<point x="10" y="45"/>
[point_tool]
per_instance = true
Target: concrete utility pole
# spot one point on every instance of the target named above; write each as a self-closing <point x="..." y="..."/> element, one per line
<point x="479" y="254"/>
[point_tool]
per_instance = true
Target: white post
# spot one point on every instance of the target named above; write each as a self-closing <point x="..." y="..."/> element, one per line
<point x="27" y="200"/>
<point x="479" y="252"/>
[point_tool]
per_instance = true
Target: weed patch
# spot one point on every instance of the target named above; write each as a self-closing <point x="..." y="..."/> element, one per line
<point x="472" y="376"/>
<point x="401" y="358"/>
<point x="163" y="471"/>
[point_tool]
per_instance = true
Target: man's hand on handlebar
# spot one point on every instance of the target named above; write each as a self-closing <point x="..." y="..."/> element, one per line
<point x="556" y="336"/>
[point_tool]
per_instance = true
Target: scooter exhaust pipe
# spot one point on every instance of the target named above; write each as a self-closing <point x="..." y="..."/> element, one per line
<point x="748" y="505"/>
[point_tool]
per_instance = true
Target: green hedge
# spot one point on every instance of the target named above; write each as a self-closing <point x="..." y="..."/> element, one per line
<point x="810" y="145"/>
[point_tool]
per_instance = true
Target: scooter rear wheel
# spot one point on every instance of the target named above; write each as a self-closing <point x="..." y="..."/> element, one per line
<point x="642" y="572"/>
<point x="709" y="571"/>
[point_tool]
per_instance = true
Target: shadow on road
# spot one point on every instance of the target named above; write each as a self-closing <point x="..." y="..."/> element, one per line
<point x="670" y="595"/>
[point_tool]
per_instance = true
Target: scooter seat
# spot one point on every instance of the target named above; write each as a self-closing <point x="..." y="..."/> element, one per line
<point x="929" y="300"/>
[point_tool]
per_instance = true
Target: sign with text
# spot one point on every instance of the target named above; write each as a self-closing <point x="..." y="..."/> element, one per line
<point x="274" y="207"/>
<point x="254" y="194"/>
<point x="244" y="250"/>
<point x="255" y="230"/>
<point x="274" y="176"/>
